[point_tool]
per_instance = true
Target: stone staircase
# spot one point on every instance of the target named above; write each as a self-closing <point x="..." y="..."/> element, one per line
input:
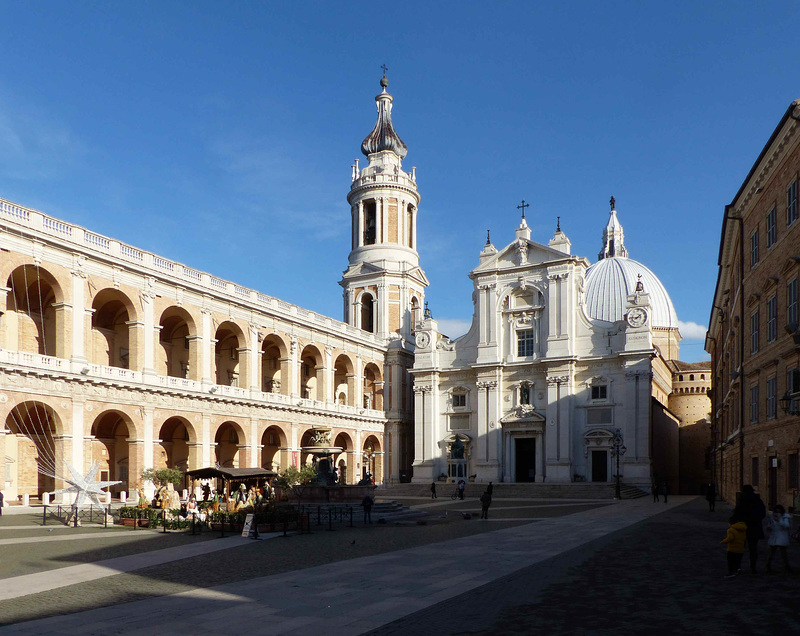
<point x="577" y="490"/>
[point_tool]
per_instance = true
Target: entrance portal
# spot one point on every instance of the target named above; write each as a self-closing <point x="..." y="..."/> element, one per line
<point x="525" y="459"/>
<point x="599" y="465"/>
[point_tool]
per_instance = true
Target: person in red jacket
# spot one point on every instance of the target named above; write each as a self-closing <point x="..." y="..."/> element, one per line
<point x="735" y="539"/>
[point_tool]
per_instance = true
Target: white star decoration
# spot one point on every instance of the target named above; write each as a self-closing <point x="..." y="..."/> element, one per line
<point x="85" y="486"/>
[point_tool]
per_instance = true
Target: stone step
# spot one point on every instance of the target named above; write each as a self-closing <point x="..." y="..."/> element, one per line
<point x="578" y="490"/>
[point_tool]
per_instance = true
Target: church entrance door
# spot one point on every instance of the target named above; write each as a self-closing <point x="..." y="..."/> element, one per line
<point x="525" y="459"/>
<point x="599" y="465"/>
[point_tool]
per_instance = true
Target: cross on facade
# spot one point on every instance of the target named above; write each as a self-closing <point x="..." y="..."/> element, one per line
<point x="522" y="207"/>
<point x="383" y="66"/>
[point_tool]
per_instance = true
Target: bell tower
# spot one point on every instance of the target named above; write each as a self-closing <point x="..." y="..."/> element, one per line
<point x="384" y="287"/>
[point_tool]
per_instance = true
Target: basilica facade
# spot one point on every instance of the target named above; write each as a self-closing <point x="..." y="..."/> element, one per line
<point x="565" y="365"/>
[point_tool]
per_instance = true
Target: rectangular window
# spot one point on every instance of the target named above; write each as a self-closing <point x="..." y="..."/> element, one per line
<point x="794" y="471"/>
<point x="525" y="343"/>
<point x="459" y="399"/>
<point x="772" y="398"/>
<point x="754" y="249"/>
<point x="754" y="404"/>
<point x="791" y="203"/>
<point x="754" y="471"/>
<point x="600" y="392"/>
<point x="772" y="232"/>
<point x="772" y="319"/>
<point x="791" y="303"/>
<point x="754" y="320"/>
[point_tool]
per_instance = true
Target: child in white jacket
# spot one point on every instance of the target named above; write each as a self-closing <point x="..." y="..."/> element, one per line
<point x="778" y="525"/>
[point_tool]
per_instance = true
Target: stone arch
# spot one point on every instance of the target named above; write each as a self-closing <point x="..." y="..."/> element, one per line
<point x="230" y="338"/>
<point x="178" y="443"/>
<point x="372" y="458"/>
<point x="366" y="314"/>
<point x="113" y="329"/>
<point x="344" y="380"/>
<point x="178" y="351"/>
<point x="372" y="387"/>
<point x="34" y="449"/>
<point x="311" y="370"/>
<point x="230" y="442"/>
<point x="110" y="434"/>
<point x="274" y="444"/>
<point x="345" y="461"/>
<point x="34" y="319"/>
<point x="275" y="365"/>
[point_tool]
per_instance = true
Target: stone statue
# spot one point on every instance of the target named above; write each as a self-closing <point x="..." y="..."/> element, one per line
<point x="457" y="449"/>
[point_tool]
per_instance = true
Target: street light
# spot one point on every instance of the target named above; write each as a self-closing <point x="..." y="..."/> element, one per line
<point x="618" y="449"/>
<point x="789" y="404"/>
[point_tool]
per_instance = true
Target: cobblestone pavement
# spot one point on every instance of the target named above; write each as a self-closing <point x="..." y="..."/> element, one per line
<point x="347" y="581"/>
<point x="664" y="575"/>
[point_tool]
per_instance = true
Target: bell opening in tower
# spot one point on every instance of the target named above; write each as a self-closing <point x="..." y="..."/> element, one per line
<point x="369" y="223"/>
<point x="367" y="314"/>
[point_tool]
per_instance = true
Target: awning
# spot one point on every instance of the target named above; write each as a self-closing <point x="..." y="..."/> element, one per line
<point x="212" y="472"/>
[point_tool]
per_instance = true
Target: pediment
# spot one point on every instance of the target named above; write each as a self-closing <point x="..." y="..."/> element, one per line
<point x="521" y="253"/>
<point x="790" y="266"/>
<point x="753" y="299"/>
<point x="523" y="413"/>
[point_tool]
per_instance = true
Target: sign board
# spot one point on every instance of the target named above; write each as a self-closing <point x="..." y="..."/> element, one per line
<point x="248" y="524"/>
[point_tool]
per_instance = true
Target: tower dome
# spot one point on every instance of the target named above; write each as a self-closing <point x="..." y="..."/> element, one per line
<point x="613" y="278"/>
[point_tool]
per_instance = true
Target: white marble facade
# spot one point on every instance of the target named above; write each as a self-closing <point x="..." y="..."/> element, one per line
<point x="537" y="388"/>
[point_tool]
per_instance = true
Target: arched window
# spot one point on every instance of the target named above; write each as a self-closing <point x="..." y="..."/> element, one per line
<point x="691" y="377"/>
<point x="367" y="314"/>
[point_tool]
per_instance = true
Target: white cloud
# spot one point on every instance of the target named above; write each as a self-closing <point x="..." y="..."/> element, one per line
<point x="692" y="331"/>
<point x="453" y="327"/>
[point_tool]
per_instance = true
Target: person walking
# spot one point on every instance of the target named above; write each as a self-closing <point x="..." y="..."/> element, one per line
<point x="711" y="496"/>
<point x="665" y="491"/>
<point x="486" y="501"/>
<point x="433" y="490"/>
<point x="461" y="486"/>
<point x="778" y="524"/>
<point x="490" y="489"/>
<point x="654" y="489"/>
<point x="1" y="503"/>
<point x="366" y="503"/>
<point x="735" y="539"/>
<point x="752" y="511"/>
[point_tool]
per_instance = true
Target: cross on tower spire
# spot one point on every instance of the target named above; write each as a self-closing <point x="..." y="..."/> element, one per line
<point x="522" y="207"/>
<point x="383" y="66"/>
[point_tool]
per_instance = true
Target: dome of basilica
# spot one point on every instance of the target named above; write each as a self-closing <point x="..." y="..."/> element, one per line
<point x="613" y="278"/>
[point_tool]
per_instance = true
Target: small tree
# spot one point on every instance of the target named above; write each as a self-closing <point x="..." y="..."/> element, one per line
<point x="294" y="476"/>
<point x="164" y="476"/>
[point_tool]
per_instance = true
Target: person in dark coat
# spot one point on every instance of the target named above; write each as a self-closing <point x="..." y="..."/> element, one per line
<point x="752" y="511"/>
<point x="711" y="496"/>
<point x="486" y="501"/>
<point x="433" y="490"/>
<point x="1" y="503"/>
<point x="366" y="503"/>
<point x="665" y="491"/>
<point x="654" y="489"/>
<point x="490" y="489"/>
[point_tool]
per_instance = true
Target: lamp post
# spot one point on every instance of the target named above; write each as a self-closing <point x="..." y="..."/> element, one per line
<point x="618" y="449"/>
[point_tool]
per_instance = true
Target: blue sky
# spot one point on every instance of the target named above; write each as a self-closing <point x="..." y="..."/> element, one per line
<point x="221" y="134"/>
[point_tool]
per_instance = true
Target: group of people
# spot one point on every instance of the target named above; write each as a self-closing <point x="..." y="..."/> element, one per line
<point x="254" y="498"/>
<point x="746" y="529"/>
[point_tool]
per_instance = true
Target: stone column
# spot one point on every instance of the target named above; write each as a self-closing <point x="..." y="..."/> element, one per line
<point x="206" y="441"/>
<point x="205" y="354"/>
<point x="360" y="229"/>
<point x="78" y="344"/>
<point x="65" y="343"/>
<point x="77" y="458"/>
<point x="330" y="372"/>
<point x="294" y="376"/>
<point x="381" y="316"/>
<point x="148" y="437"/>
<point x="136" y="337"/>
<point x="253" y="379"/>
